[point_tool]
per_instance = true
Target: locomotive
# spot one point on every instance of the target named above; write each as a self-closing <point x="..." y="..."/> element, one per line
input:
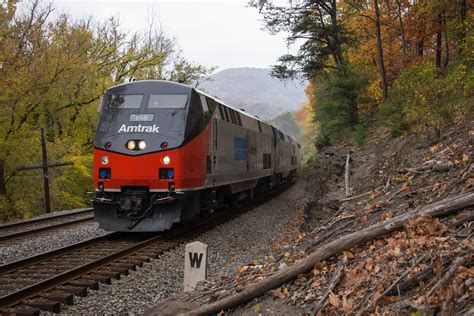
<point x="164" y="152"/>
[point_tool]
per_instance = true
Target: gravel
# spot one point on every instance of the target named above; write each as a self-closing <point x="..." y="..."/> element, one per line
<point x="231" y="245"/>
<point x="26" y="247"/>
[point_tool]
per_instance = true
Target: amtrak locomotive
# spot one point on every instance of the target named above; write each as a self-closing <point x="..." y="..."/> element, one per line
<point x="163" y="152"/>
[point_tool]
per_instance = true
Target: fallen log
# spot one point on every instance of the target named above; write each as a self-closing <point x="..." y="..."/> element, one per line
<point x="360" y="195"/>
<point x="441" y="208"/>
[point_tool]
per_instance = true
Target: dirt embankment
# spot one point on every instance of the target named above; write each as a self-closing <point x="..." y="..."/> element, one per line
<point x="426" y="267"/>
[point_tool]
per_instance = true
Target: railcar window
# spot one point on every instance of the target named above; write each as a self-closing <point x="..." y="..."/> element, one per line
<point x="281" y="135"/>
<point x="221" y="111"/>
<point x="168" y="101"/>
<point x="212" y="105"/>
<point x="123" y="101"/>
<point x="239" y="120"/>
<point x="232" y="116"/>
<point x="259" y="126"/>
<point x="226" y="113"/>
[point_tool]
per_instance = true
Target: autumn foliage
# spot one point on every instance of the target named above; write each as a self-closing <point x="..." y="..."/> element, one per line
<point x="53" y="72"/>
<point x="423" y="60"/>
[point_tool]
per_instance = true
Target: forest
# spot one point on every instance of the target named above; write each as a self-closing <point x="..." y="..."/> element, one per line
<point x="53" y="71"/>
<point x="398" y="65"/>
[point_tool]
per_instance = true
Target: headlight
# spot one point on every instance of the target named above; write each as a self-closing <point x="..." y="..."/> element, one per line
<point x="141" y="144"/>
<point x="166" y="160"/>
<point x="131" y="145"/>
<point x="104" y="160"/>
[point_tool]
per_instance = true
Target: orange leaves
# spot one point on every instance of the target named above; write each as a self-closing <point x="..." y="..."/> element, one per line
<point x="281" y="292"/>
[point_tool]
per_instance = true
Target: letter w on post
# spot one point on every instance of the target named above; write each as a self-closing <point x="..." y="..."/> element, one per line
<point x="195" y="265"/>
<point x="195" y="259"/>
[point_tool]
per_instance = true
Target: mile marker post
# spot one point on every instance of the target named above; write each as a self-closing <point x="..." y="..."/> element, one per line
<point x="195" y="265"/>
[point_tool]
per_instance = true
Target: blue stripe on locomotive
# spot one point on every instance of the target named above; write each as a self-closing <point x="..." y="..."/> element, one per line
<point x="240" y="149"/>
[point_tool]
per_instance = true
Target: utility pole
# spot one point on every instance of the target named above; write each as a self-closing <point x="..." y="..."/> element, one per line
<point x="45" y="166"/>
<point x="47" y="200"/>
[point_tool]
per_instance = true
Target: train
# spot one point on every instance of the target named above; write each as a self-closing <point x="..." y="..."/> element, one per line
<point x="165" y="152"/>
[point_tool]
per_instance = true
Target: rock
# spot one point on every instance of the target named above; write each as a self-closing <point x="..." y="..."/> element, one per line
<point x="282" y="266"/>
<point x="170" y="306"/>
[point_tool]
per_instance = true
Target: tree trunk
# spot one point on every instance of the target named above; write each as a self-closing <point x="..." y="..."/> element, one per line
<point x="383" y="75"/>
<point x="3" y="190"/>
<point x="339" y="58"/>
<point x="446" y="42"/>
<point x="438" y="43"/>
<point x="463" y="13"/>
<point x="441" y="208"/>
<point x="402" y="28"/>
<point x="421" y="44"/>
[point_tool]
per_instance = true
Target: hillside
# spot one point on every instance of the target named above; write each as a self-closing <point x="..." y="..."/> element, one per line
<point x="254" y="90"/>
<point x="392" y="235"/>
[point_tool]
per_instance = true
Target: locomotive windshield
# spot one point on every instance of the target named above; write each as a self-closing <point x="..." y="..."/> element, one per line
<point x="168" y="101"/>
<point x="123" y="101"/>
<point x="153" y="111"/>
<point x="157" y="101"/>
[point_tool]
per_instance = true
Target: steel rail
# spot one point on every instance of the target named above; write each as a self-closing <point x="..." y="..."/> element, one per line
<point x="43" y="219"/>
<point x="44" y="228"/>
<point x="15" y="265"/>
<point x="22" y="294"/>
<point x="149" y="248"/>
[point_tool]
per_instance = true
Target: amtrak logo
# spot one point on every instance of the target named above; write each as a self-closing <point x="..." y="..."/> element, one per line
<point x="139" y="129"/>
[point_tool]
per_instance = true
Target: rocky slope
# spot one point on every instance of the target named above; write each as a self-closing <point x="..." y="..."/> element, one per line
<point x="426" y="267"/>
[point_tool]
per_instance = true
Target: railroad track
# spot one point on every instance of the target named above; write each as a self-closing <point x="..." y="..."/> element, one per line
<point x="44" y="282"/>
<point x="17" y="230"/>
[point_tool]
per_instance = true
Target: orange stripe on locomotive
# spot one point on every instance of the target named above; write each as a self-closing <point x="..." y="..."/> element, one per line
<point x="189" y="162"/>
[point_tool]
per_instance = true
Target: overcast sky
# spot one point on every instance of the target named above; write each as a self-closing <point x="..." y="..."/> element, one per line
<point x="222" y="33"/>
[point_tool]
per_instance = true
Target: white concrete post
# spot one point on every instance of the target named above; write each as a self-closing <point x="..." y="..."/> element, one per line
<point x="195" y="264"/>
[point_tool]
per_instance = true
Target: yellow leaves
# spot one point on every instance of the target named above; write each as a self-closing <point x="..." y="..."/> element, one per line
<point x="470" y="181"/>
<point x="319" y="266"/>
<point x="281" y="292"/>
<point x="334" y="300"/>
<point x="435" y="148"/>
<point x="316" y="283"/>
<point x="377" y="268"/>
<point x="257" y="307"/>
<point x="348" y="254"/>
<point x="346" y="304"/>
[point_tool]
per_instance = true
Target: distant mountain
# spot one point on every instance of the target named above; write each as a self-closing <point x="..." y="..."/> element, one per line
<point x="255" y="91"/>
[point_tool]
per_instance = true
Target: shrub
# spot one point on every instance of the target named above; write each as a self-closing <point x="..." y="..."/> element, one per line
<point x="360" y="135"/>
<point x="335" y="105"/>
<point x="422" y="98"/>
